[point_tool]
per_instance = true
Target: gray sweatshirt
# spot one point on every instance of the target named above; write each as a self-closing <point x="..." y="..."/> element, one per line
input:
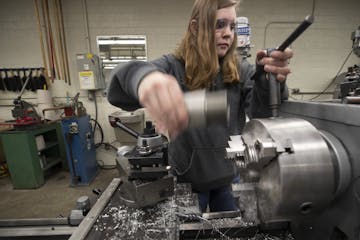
<point x="197" y="155"/>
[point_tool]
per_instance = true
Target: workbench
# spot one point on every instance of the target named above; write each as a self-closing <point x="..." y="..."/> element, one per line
<point x="32" y="153"/>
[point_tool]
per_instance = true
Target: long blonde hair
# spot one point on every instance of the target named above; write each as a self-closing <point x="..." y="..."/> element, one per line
<point x="198" y="50"/>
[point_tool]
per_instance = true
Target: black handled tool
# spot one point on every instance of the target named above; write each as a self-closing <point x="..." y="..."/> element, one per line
<point x="274" y="85"/>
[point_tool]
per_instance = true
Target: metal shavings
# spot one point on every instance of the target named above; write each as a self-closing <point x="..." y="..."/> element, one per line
<point x="122" y="222"/>
<point x="161" y="222"/>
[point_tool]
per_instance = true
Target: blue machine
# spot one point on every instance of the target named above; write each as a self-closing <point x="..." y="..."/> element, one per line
<point x="80" y="149"/>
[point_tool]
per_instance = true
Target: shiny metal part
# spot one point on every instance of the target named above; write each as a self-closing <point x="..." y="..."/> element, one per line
<point x="83" y="203"/>
<point x="206" y="108"/>
<point x="122" y="162"/>
<point x="341" y="162"/>
<point x="251" y="158"/>
<point x="295" y="164"/>
<point x="291" y="186"/>
<point x="340" y="220"/>
<point x="236" y="148"/>
<point x="218" y="215"/>
<point x="350" y="99"/>
<point x="147" y="145"/>
<point x="266" y="149"/>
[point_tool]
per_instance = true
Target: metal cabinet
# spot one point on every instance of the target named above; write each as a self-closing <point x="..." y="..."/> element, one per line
<point x="32" y="153"/>
<point x="80" y="149"/>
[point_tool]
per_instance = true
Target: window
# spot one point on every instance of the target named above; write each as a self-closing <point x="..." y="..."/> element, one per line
<point x="114" y="50"/>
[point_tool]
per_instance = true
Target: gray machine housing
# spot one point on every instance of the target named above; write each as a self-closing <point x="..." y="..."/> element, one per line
<point x="341" y="219"/>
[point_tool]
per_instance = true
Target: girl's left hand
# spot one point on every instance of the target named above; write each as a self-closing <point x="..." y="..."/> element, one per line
<point x="276" y="63"/>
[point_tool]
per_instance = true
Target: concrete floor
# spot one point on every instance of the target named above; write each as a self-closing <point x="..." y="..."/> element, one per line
<point x="54" y="199"/>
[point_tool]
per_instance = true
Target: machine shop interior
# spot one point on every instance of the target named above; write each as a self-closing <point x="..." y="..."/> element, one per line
<point x="63" y="160"/>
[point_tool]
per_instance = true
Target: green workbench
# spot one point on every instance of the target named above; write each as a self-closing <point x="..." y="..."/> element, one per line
<point x="30" y="160"/>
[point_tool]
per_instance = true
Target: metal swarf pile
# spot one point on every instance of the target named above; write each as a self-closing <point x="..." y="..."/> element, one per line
<point x="176" y="218"/>
<point x="122" y="222"/>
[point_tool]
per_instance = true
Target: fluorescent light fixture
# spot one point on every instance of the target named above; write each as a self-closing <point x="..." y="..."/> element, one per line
<point x="122" y="42"/>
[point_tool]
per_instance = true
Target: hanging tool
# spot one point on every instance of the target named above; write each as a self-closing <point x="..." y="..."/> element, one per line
<point x="34" y="79"/>
<point x="17" y="81"/>
<point x="42" y="80"/>
<point x="8" y="81"/>
<point x="274" y="85"/>
<point x="28" y="86"/>
<point x="24" y="77"/>
<point x="2" y="85"/>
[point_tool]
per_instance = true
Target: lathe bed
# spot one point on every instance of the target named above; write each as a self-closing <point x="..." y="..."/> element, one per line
<point x="175" y="218"/>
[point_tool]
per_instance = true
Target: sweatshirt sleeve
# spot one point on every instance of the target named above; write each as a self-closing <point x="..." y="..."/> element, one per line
<point x="125" y="80"/>
<point x="256" y="90"/>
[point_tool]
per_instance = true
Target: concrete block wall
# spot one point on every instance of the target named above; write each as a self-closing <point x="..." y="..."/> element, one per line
<point x="319" y="53"/>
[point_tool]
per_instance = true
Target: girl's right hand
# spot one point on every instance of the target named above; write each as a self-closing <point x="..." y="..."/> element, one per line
<point x="161" y="95"/>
